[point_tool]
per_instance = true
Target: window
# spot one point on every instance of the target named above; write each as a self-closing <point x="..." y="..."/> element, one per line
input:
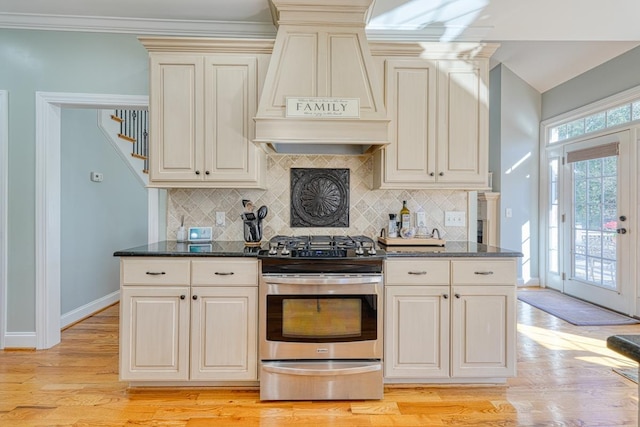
<point x="596" y="121"/>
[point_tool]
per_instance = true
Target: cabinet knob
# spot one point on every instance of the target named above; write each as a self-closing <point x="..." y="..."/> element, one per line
<point x="197" y="172"/>
<point x="207" y="173"/>
<point x="457" y="296"/>
<point x="441" y="174"/>
<point x="431" y="174"/>
<point x="445" y="296"/>
<point x="183" y="296"/>
<point x="195" y="297"/>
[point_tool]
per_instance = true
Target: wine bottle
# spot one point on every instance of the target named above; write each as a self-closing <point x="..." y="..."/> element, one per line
<point x="405" y="216"/>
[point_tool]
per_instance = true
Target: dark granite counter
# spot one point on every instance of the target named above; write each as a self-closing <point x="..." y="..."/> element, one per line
<point x="627" y="345"/>
<point x="451" y="249"/>
<point x="171" y="248"/>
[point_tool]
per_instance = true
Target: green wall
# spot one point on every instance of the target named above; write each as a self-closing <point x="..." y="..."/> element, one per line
<point x="51" y="61"/>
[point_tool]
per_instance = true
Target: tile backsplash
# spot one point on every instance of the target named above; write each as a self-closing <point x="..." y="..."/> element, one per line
<point x="368" y="213"/>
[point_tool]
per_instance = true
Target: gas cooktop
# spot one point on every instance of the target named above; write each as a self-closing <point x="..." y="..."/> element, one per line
<point x="321" y="247"/>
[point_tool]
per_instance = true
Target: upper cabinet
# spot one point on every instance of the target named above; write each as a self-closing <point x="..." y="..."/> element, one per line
<point x="437" y="99"/>
<point x="203" y="97"/>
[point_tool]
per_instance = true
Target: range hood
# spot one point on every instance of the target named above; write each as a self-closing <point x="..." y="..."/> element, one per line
<point x="321" y="93"/>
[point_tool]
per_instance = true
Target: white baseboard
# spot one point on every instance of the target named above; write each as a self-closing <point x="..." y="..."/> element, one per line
<point x="20" y="340"/>
<point x="88" y="309"/>
<point x="533" y="281"/>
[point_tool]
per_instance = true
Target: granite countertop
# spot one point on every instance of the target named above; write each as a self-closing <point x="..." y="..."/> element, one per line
<point x="171" y="248"/>
<point x="451" y="249"/>
<point x="627" y="345"/>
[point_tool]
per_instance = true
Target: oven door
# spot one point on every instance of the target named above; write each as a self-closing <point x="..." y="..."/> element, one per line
<point x="328" y="317"/>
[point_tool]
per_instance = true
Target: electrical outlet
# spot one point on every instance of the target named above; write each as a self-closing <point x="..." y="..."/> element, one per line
<point x="455" y="219"/>
<point x="220" y="218"/>
<point x="96" y="176"/>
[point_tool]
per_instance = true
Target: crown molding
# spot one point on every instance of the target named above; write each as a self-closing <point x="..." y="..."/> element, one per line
<point x="137" y="26"/>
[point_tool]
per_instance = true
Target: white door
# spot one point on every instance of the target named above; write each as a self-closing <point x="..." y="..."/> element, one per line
<point x="595" y="226"/>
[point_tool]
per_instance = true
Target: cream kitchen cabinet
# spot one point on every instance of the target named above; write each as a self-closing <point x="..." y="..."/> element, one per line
<point x="224" y="320"/>
<point x="202" y="104"/>
<point x="439" y="118"/>
<point x="483" y="320"/>
<point x="449" y="320"/>
<point x="187" y="320"/>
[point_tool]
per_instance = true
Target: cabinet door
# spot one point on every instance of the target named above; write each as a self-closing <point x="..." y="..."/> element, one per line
<point x="483" y="331"/>
<point x="154" y="333"/>
<point x="224" y="333"/>
<point x="176" y="117"/>
<point x="463" y="134"/>
<point x="231" y="99"/>
<point x="416" y="332"/>
<point x="411" y="104"/>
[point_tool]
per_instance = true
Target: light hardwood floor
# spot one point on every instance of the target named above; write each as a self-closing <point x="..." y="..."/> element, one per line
<point x="565" y="378"/>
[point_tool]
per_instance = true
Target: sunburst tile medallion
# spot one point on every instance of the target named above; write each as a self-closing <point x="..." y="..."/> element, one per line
<point x="319" y="197"/>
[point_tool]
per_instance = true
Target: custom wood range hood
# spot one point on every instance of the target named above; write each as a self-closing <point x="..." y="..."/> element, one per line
<point x="322" y="64"/>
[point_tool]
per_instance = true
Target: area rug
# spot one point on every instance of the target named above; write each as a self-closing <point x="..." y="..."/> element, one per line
<point x="573" y="310"/>
<point x="630" y="374"/>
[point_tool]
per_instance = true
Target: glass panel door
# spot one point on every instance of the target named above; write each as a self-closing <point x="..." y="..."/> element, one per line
<point x="595" y="205"/>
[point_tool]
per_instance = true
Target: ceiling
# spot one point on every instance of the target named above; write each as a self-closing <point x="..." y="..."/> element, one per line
<point x="544" y="42"/>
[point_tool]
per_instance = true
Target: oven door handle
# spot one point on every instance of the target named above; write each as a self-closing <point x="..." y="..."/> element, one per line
<point x="326" y="371"/>
<point x="323" y="280"/>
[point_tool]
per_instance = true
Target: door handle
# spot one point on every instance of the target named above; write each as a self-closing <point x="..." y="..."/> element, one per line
<point x="621" y="231"/>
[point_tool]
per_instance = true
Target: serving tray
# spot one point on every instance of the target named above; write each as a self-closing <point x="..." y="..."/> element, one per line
<point x="399" y="241"/>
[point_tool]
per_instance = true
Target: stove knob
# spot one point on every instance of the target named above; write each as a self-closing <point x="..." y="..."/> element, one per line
<point x="359" y="249"/>
<point x="372" y="250"/>
<point x="273" y="250"/>
<point x="285" y="251"/>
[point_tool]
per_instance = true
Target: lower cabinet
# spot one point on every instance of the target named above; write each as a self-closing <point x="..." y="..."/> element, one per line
<point x="223" y="333"/>
<point x="154" y="333"/>
<point x="464" y="329"/>
<point x="188" y="320"/>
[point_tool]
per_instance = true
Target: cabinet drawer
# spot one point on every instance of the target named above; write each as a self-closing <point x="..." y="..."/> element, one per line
<point x="224" y="272"/>
<point x="490" y="272"/>
<point x="416" y="271"/>
<point x="161" y="271"/>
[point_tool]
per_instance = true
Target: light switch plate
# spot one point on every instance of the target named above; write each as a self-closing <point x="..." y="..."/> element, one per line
<point x="455" y="219"/>
<point x="220" y="219"/>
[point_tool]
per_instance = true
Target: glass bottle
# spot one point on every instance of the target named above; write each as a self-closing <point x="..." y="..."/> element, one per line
<point x="405" y="216"/>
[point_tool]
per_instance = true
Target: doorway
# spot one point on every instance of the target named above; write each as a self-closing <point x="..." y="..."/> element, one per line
<point x="4" y="197"/>
<point x="48" y="115"/>
<point x="593" y="193"/>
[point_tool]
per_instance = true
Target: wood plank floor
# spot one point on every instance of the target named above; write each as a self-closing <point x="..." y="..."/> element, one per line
<point x="565" y="378"/>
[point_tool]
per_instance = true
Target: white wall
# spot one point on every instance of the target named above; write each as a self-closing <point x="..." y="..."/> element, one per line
<point x="55" y="62"/>
<point x="514" y="141"/>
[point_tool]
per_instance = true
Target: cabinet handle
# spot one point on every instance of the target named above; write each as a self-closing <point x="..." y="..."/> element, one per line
<point x="418" y="273"/>
<point x="195" y="297"/>
<point x="197" y="172"/>
<point x="222" y="273"/>
<point x="431" y="174"/>
<point x="183" y="296"/>
<point x="207" y="173"/>
<point x="445" y="296"/>
<point x="155" y="273"/>
<point x="457" y="296"/>
<point x="441" y="174"/>
<point x="483" y="273"/>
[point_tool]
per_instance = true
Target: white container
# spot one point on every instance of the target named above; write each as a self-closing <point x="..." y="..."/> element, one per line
<point x="181" y="234"/>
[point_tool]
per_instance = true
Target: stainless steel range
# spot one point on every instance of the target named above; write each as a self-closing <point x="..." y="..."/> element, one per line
<point x="321" y="318"/>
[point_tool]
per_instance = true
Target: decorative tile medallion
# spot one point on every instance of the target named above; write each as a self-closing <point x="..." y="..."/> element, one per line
<point x="319" y="197"/>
